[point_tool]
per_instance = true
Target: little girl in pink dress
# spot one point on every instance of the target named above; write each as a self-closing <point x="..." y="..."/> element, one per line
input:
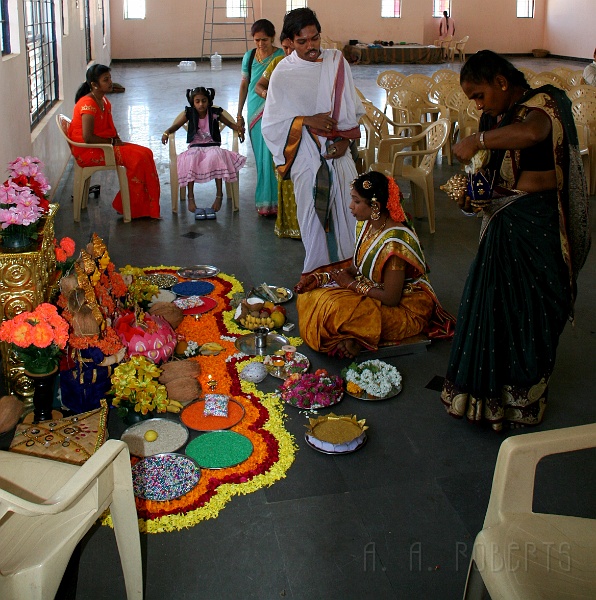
<point x="205" y="160"/>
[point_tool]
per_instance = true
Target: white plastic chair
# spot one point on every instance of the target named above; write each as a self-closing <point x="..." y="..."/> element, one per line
<point x="459" y="47"/>
<point x="376" y="125"/>
<point x="389" y="80"/>
<point x="423" y="151"/>
<point x="523" y="555"/>
<point x="584" y="115"/>
<point x="82" y="175"/>
<point x="46" y="508"/>
<point x="232" y="188"/>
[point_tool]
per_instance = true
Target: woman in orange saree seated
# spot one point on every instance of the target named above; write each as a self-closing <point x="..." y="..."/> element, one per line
<point x="380" y="296"/>
<point x="92" y="124"/>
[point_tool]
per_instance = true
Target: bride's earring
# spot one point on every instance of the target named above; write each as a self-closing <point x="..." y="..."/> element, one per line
<point x="375" y="210"/>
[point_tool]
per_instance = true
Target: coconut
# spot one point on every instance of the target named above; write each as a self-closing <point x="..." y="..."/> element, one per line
<point x="183" y="389"/>
<point x="179" y="368"/>
<point x="169" y="311"/>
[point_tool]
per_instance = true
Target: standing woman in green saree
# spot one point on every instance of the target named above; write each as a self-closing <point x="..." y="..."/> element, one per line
<point x="254" y="64"/>
<point x="534" y="239"/>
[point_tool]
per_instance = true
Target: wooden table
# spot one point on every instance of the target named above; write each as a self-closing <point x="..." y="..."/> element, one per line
<point x="402" y="53"/>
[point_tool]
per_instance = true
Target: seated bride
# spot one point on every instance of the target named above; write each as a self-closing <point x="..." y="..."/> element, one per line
<point x="380" y="296"/>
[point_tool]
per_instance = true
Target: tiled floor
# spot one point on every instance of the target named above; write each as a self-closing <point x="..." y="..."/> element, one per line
<point x="398" y="518"/>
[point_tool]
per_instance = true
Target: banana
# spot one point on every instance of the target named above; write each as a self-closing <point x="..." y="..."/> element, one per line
<point x="173" y="409"/>
<point x="211" y="349"/>
<point x="176" y="403"/>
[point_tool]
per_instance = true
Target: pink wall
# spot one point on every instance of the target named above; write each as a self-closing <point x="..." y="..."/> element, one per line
<point x="171" y="31"/>
<point x="567" y="33"/>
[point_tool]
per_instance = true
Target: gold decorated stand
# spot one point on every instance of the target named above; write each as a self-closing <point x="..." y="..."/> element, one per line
<point x="26" y="280"/>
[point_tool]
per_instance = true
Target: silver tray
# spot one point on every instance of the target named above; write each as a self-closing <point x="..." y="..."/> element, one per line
<point x="141" y="427"/>
<point x="393" y="392"/>
<point x="246" y="344"/>
<point x="179" y="487"/>
<point x="281" y="372"/>
<point x="258" y="294"/>
<point x="198" y="272"/>
<point x="364" y="440"/>
<point x="161" y="280"/>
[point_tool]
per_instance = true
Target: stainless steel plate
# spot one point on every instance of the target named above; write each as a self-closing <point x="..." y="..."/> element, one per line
<point x="393" y="392"/>
<point x="198" y="272"/>
<point x="246" y="344"/>
<point x="289" y="294"/>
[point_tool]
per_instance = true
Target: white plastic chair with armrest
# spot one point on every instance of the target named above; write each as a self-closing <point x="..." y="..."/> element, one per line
<point x="377" y="126"/>
<point x="46" y="508"/>
<point x="423" y="151"/>
<point x="232" y="188"/>
<point x="82" y="175"/>
<point x="460" y="48"/>
<point x="523" y="555"/>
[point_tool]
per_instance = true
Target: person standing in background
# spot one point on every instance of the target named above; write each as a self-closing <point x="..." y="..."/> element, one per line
<point x="254" y="64"/>
<point x="446" y="27"/>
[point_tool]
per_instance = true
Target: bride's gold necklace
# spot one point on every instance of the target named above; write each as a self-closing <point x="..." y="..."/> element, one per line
<point x="372" y="231"/>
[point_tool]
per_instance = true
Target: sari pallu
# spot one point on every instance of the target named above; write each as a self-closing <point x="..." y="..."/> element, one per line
<point x="521" y="285"/>
<point x="143" y="181"/>
<point x="329" y="315"/>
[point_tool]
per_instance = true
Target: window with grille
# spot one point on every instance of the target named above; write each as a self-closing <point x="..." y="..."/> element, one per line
<point x="390" y="8"/>
<point x="236" y="9"/>
<point x="525" y="9"/>
<point x="5" y="32"/>
<point x="42" y="60"/>
<point x="440" y="6"/>
<point x="292" y="4"/>
<point x="134" y="9"/>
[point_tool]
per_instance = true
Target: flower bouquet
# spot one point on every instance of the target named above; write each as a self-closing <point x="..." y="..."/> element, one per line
<point x="135" y="388"/>
<point x="37" y="337"/>
<point x="372" y="380"/>
<point x="312" y="390"/>
<point x="22" y="202"/>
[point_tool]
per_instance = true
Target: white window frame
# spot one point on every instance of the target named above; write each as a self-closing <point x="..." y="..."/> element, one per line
<point x="525" y="9"/>
<point x="236" y="9"/>
<point x="440" y="6"/>
<point x="292" y="4"/>
<point x="390" y="9"/>
<point x="135" y="9"/>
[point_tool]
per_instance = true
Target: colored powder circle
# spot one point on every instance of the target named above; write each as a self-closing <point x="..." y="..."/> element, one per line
<point x="219" y="449"/>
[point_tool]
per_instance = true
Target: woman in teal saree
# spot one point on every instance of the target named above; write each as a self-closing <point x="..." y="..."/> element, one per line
<point x="254" y="64"/>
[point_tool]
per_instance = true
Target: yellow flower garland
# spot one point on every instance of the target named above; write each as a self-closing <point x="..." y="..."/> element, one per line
<point x="274" y="425"/>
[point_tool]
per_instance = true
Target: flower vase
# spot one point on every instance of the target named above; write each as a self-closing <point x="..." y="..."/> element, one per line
<point x="44" y="385"/>
<point x="133" y="417"/>
<point x="16" y="241"/>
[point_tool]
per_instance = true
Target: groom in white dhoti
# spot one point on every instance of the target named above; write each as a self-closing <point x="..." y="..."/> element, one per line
<point x="311" y="117"/>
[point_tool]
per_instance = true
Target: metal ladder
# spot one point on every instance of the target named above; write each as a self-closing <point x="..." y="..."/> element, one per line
<point x="216" y="21"/>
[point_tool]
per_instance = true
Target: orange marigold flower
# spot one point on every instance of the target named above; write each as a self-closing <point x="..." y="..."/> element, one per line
<point x="60" y="254"/>
<point x="67" y="244"/>
<point x="42" y="335"/>
<point x="21" y="335"/>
